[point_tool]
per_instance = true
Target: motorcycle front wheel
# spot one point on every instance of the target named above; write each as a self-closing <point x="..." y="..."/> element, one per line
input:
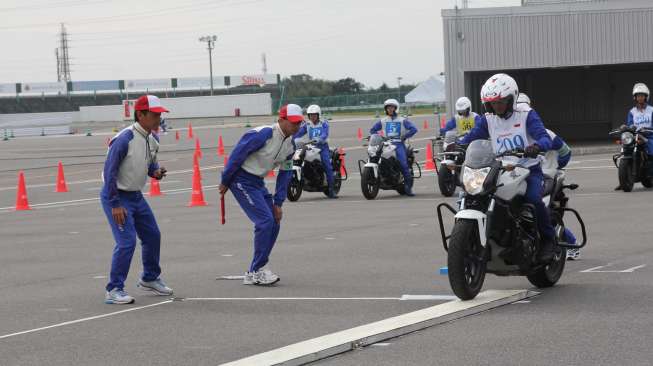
<point x="294" y="189"/>
<point x="626" y="179"/>
<point x="446" y="181"/>
<point x="369" y="184"/>
<point x="465" y="260"/>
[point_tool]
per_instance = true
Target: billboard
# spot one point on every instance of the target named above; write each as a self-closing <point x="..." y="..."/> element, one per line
<point x="148" y="84"/>
<point x="47" y="88"/>
<point x="256" y="79"/>
<point x="8" y="88"/>
<point x="94" y="85"/>
<point x="199" y="82"/>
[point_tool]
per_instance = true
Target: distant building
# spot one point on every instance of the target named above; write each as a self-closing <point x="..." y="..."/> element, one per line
<point x="577" y="59"/>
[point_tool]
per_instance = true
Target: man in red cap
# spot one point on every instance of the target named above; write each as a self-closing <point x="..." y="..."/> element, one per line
<point x="130" y="160"/>
<point x="259" y="151"/>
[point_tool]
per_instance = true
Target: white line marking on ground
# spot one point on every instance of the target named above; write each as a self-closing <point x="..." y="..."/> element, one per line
<point x="598" y="269"/>
<point x="288" y="298"/>
<point x="380" y="344"/>
<point x="428" y="297"/>
<point x="227" y="255"/>
<point x="99" y="277"/>
<point x="522" y="302"/>
<point x="332" y="344"/>
<point x="84" y="319"/>
<point x="237" y="277"/>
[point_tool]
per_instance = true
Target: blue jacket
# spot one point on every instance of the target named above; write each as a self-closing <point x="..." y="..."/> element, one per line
<point x="130" y="160"/>
<point x="324" y="131"/>
<point x="260" y="150"/>
<point x="451" y="124"/>
<point x="534" y="128"/>
<point x="408" y="131"/>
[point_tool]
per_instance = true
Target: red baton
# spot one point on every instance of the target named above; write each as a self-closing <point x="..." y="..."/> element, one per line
<point x="222" y="208"/>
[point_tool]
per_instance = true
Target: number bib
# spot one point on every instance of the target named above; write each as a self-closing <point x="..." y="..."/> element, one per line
<point x="393" y="129"/>
<point x="508" y="134"/>
<point x="314" y="132"/>
<point x="464" y="125"/>
<point x="642" y="118"/>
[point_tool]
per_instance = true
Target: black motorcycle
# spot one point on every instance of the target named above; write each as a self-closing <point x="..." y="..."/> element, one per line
<point x="309" y="175"/>
<point x="448" y="159"/>
<point x="495" y="229"/>
<point x="382" y="169"/>
<point x="632" y="162"/>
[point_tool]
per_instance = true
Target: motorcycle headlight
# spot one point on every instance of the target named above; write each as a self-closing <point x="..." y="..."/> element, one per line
<point x="627" y="138"/>
<point x="473" y="179"/>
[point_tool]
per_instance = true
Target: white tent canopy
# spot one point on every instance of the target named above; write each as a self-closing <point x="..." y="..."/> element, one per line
<point x="429" y="91"/>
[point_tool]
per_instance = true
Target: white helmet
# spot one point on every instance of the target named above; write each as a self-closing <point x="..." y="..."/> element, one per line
<point x="313" y="108"/>
<point x="463" y="104"/>
<point x="641" y="88"/>
<point x="391" y="102"/>
<point x="498" y="87"/>
<point x="523" y="98"/>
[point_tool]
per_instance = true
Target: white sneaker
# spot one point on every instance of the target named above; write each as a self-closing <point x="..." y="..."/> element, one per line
<point x="249" y="278"/>
<point x="118" y="297"/>
<point x="265" y="277"/>
<point x="157" y="286"/>
<point x="573" y="254"/>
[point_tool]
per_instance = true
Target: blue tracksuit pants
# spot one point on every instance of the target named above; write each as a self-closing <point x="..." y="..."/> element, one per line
<point x="139" y="222"/>
<point x="534" y="190"/>
<point x="403" y="162"/>
<point x="325" y="156"/>
<point x="254" y="198"/>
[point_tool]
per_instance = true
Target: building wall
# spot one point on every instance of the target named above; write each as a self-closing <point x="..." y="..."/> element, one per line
<point x="545" y="36"/>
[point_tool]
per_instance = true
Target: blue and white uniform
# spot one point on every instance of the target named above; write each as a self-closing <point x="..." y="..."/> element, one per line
<point x="257" y="152"/>
<point x="319" y="132"/>
<point x="398" y="129"/>
<point x="523" y="128"/>
<point x="131" y="158"/>
<point x="461" y="124"/>
<point x="642" y="118"/>
<point x="561" y="148"/>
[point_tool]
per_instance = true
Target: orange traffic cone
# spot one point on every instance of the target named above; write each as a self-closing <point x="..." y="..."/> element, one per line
<point x="226" y="161"/>
<point x="190" y="131"/>
<point x="196" y="165"/>
<point x="197" y="196"/>
<point x="177" y="135"/>
<point x="360" y="134"/>
<point x="430" y="165"/>
<point x="21" y="196"/>
<point x="426" y="124"/>
<point x="198" y="149"/>
<point x="271" y="174"/>
<point x="443" y="121"/>
<point x="343" y="170"/>
<point x="220" y="146"/>
<point x="61" y="180"/>
<point x="155" y="188"/>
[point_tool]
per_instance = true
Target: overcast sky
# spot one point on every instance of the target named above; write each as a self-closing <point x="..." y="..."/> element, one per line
<point x="373" y="41"/>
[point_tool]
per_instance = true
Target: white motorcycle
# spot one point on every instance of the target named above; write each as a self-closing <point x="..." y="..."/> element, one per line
<point x="382" y="169"/>
<point x="495" y="230"/>
<point x="308" y="172"/>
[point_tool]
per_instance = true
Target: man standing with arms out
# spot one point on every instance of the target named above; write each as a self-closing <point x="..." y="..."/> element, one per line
<point x="130" y="160"/>
<point x="260" y="150"/>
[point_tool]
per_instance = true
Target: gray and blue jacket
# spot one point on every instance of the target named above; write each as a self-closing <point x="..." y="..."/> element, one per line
<point x="259" y="151"/>
<point x="130" y="160"/>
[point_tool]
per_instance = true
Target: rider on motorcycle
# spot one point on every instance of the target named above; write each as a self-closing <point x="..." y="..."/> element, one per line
<point x="509" y="125"/>
<point x="464" y="120"/>
<point x="318" y="134"/>
<point x="641" y="115"/>
<point x="398" y="129"/>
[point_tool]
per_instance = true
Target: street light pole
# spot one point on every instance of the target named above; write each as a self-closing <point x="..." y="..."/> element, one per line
<point x="399" y="87"/>
<point x="210" y="41"/>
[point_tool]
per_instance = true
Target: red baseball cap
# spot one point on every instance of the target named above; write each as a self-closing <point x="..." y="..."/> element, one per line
<point x="150" y="103"/>
<point x="291" y="112"/>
